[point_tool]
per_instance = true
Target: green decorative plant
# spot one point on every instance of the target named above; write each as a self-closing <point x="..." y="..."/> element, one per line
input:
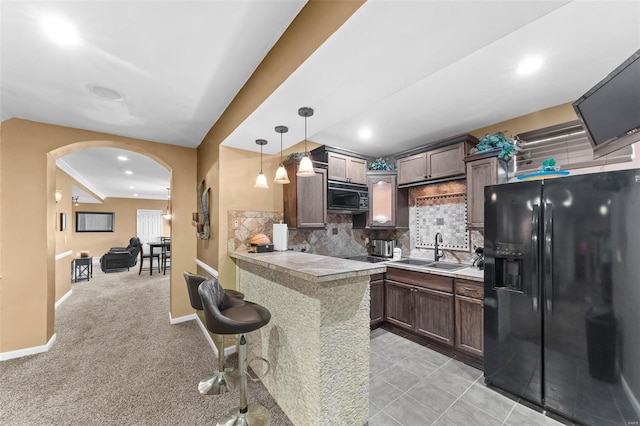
<point x="549" y="165"/>
<point x="381" y="164"/>
<point x="508" y="146"/>
<point x="296" y="155"/>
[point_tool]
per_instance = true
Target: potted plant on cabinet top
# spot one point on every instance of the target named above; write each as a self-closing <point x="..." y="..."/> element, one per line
<point x="505" y="148"/>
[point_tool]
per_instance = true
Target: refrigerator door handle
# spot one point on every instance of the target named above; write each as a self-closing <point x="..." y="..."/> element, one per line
<point x="533" y="267"/>
<point x="548" y="256"/>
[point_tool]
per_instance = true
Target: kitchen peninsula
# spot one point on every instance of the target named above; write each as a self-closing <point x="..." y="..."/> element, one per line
<point x="318" y="339"/>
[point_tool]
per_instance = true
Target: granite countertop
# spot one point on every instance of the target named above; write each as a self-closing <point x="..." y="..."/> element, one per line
<point x="311" y="267"/>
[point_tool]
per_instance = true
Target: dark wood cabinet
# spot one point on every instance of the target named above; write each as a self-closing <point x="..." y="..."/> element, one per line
<point x="440" y="160"/>
<point x="434" y="314"/>
<point x="469" y="316"/>
<point x="376" y="289"/>
<point x="420" y="302"/>
<point x="412" y="169"/>
<point x="305" y="198"/>
<point x="342" y="165"/>
<point x="346" y="169"/>
<point x="388" y="205"/>
<point x="482" y="170"/>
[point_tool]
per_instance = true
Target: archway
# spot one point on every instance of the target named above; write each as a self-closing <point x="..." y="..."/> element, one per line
<point x="27" y="224"/>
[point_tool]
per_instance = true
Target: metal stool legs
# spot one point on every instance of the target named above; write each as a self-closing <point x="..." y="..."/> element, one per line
<point x="245" y="414"/>
<point x="221" y="381"/>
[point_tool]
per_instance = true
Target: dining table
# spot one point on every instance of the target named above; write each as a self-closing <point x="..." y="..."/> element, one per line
<point x="152" y="246"/>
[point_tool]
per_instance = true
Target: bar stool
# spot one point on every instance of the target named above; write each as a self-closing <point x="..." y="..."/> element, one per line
<point x="226" y="315"/>
<point x="219" y="382"/>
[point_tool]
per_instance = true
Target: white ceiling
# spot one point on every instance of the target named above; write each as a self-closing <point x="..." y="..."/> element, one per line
<point x="411" y="71"/>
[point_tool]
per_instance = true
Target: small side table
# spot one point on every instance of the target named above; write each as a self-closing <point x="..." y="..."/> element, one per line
<point x="81" y="269"/>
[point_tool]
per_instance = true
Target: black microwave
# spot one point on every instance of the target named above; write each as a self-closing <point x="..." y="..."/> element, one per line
<point x="347" y="198"/>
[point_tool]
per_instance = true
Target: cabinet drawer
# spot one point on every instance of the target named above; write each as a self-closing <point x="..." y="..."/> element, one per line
<point x="470" y="288"/>
<point x="422" y="279"/>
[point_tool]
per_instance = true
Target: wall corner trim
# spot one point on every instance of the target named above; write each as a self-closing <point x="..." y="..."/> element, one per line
<point x="227" y="351"/>
<point x="211" y="271"/>
<point x="28" y="351"/>
<point x="630" y="395"/>
<point x="63" y="255"/>
<point x="63" y="298"/>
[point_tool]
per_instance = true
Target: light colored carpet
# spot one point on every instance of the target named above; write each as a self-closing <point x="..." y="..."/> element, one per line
<point x="118" y="361"/>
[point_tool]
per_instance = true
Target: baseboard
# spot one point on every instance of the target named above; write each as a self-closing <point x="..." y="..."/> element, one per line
<point x="184" y="318"/>
<point x="63" y="255"/>
<point x="211" y="271"/>
<point x="63" y="298"/>
<point x="28" y="351"/>
<point x="631" y="396"/>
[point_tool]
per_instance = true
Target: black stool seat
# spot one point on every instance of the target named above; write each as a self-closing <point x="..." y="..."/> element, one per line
<point x="227" y="315"/>
<point x="194" y="281"/>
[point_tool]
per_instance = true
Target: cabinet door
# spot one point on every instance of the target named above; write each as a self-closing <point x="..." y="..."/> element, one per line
<point x="398" y="304"/>
<point x="412" y="169"/>
<point x="338" y="166"/>
<point x="446" y="161"/>
<point x="382" y="201"/>
<point x="377" y="302"/>
<point x="469" y="324"/>
<point x="480" y="173"/>
<point x="357" y="171"/>
<point x="434" y="314"/>
<point x="312" y="200"/>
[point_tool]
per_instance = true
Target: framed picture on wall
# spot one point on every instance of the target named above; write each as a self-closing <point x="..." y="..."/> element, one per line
<point x="94" y="222"/>
<point x="63" y="221"/>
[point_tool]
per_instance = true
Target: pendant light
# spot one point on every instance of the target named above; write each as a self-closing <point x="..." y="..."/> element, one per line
<point x="305" y="169"/>
<point x="261" y="180"/>
<point x="281" y="174"/>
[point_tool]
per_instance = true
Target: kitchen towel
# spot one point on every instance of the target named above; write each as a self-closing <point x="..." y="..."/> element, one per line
<point x="280" y="236"/>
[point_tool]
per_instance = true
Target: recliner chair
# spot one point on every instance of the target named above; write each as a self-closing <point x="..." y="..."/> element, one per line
<point x="119" y="258"/>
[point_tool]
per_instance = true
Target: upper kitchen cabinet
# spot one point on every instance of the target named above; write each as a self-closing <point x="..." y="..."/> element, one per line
<point x="388" y="205"/>
<point x="482" y="170"/>
<point x="441" y="160"/>
<point x="342" y="165"/>
<point x="305" y="198"/>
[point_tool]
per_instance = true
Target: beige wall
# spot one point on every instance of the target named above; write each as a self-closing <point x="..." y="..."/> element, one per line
<point x="125" y="209"/>
<point x="28" y="222"/>
<point x="63" y="239"/>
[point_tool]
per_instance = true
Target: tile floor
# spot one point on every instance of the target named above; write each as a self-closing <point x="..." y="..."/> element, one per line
<point x="411" y="384"/>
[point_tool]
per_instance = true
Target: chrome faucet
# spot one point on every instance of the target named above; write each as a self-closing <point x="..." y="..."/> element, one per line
<point x="437" y="253"/>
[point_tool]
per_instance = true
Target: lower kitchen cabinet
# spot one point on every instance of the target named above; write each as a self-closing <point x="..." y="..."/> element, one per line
<point x="422" y="303"/>
<point x="469" y="317"/>
<point x="376" y="289"/>
<point x="434" y="314"/>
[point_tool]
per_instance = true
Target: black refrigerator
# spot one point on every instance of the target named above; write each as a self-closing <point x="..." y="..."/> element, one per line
<point x="562" y="295"/>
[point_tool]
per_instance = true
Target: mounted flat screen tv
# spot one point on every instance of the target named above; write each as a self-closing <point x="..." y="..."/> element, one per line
<point x="94" y="222"/>
<point x="610" y="111"/>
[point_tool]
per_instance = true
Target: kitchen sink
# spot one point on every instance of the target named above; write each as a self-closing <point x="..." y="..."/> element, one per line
<point x="431" y="264"/>
<point x="416" y="262"/>
<point x="446" y="266"/>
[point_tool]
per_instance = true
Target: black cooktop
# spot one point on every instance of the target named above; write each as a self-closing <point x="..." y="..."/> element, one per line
<point x="370" y="259"/>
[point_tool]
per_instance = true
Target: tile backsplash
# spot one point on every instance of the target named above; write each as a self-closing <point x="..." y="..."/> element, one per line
<point x="338" y="239"/>
<point x="342" y="240"/>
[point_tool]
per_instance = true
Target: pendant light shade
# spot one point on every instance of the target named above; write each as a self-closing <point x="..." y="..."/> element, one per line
<point x="261" y="180"/>
<point x="305" y="169"/>
<point x="281" y="174"/>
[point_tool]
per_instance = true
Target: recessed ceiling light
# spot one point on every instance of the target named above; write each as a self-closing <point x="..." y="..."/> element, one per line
<point x="128" y="172"/>
<point x="105" y="93"/>
<point x="132" y="187"/>
<point x="122" y="158"/>
<point x="529" y="65"/>
<point x="135" y="195"/>
<point x="365" y="133"/>
<point x="60" y="30"/>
